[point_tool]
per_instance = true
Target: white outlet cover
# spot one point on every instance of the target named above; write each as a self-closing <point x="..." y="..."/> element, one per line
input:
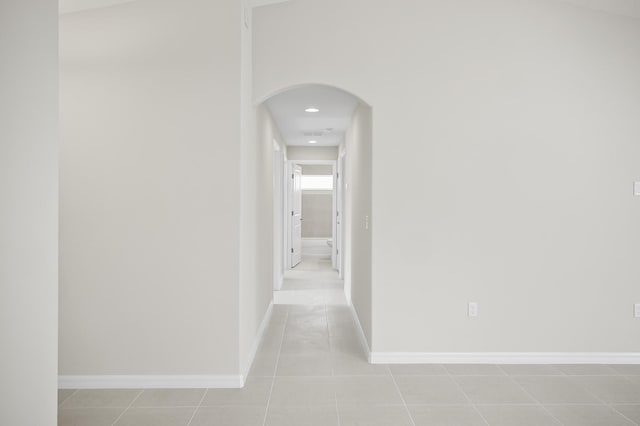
<point x="636" y="188"/>
<point x="636" y="310"/>
<point x="473" y="309"/>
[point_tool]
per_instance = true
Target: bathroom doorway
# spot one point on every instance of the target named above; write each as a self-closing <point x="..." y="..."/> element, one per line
<point x="311" y="209"/>
<point x="312" y="202"/>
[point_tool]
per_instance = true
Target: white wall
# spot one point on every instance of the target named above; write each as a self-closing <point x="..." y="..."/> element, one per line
<point x="150" y="169"/>
<point x="506" y="144"/>
<point x="312" y="153"/>
<point x="28" y="212"/>
<point x="270" y="132"/>
<point x="317" y="214"/>
<point x="317" y="206"/>
<point x="358" y="158"/>
<point x="248" y="255"/>
<point x="257" y="257"/>
<point x="317" y="169"/>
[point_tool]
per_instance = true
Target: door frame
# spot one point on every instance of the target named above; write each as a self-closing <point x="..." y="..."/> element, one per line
<point x="339" y="215"/>
<point x="295" y="203"/>
<point x="279" y="246"/>
<point x="288" y="202"/>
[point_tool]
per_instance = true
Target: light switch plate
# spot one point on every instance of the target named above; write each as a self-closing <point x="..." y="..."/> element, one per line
<point x="636" y="188"/>
<point x="636" y="310"/>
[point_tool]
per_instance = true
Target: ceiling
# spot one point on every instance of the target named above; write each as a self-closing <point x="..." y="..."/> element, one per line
<point x="327" y="126"/>
<point x="619" y="7"/>
<point x="69" y="6"/>
<point x="629" y="8"/>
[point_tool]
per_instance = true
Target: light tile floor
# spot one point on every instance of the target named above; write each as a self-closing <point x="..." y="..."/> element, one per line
<point x="311" y="282"/>
<point x="311" y="371"/>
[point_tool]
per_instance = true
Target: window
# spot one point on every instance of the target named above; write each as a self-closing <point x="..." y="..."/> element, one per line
<point x="317" y="183"/>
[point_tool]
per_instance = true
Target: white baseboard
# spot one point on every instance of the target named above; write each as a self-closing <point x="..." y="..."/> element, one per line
<point x="279" y="283"/>
<point x="361" y="336"/>
<point x="150" y="381"/>
<point x="256" y="342"/>
<point x="168" y="381"/>
<point x="504" y="358"/>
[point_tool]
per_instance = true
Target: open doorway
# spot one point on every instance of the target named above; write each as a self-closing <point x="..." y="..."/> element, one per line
<point x="311" y="275"/>
<point x="312" y="202"/>
<point x="318" y="129"/>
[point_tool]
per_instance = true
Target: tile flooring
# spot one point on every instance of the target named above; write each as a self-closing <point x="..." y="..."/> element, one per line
<point x="311" y="282"/>
<point x="310" y="371"/>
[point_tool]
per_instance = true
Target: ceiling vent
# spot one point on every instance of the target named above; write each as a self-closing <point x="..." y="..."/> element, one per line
<point x="315" y="134"/>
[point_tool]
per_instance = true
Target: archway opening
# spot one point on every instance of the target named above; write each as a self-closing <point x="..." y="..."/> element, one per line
<point x="321" y="138"/>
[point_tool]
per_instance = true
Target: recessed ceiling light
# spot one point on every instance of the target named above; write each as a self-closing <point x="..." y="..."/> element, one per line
<point x="312" y="109"/>
<point x="313" y="141"/>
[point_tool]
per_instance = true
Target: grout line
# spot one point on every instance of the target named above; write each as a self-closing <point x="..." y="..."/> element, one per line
<point x="601" y="402"/>
<point x="333" y="372"/>
<point x="621" y="414"/>
<point x="467" y="396"/>
<point x="173" y="406"/>
<point x="404" y="402"/>
<point x="130" y="405"/>
<point x="584" y="388"/>
<point x="198" y="407"/>
<point x="273" y="379"/>
<point x="61" y="404"/>
<point x="538" y="403"/>
<point x="364" y="375"/>
<point x="611" y="405"/>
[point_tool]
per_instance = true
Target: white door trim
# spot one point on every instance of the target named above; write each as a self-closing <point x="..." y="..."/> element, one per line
<point x="288" y="201"/>
<point x="278" y="219"/>
<point x="295" y="218"/>
<point x="340" y="203"/>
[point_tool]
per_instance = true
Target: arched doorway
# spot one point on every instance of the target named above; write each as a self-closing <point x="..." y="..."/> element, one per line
<point x="321" y="138"/>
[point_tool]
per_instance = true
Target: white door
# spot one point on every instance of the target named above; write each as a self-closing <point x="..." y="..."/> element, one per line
<point x="296" y="215"/>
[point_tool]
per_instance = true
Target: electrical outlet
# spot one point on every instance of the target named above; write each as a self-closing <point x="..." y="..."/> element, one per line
<point x="636" y="310"/>
<point x="473" y="309"/>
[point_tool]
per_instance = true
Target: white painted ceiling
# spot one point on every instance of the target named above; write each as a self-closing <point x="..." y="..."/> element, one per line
<point x="70" y="6"/>
<point x="629" y="8"/>
<point x="327" y="126"/>
<point x="619" y="7"/>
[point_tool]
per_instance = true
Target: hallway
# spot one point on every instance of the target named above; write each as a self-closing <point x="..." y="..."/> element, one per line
<point x="312" y="282"/>
<point x="311" y="371"/>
